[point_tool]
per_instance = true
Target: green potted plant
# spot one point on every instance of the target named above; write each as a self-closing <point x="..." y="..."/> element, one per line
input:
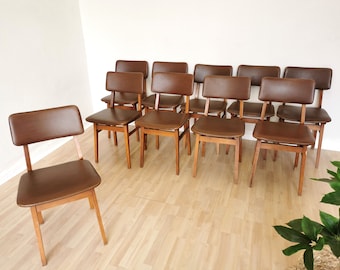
<point x="310" y="235"/>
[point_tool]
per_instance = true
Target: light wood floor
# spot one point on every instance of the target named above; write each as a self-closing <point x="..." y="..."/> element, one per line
<point x="157" y="220"/>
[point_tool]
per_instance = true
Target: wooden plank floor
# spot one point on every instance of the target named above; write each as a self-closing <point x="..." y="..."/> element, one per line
<point x="157" y="220"/>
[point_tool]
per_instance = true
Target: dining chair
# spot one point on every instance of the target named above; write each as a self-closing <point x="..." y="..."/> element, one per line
<point x="284" y="136"/>
<point x="316" y="116"/>
<point x="115" y="118"/>
<point x="252" y="109"/>
<point x="169" y="102"/>
<point x="167" y="122"/>
<point x="197" y="104"/>
<point x="222" y="130"/>
<point x="47" y="187"/>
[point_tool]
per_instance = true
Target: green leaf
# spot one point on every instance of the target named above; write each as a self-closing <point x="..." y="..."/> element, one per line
<point x="336" y="163"/>
<point x="334" y="244"/>
<point x="335" y="185"/>
<point x="291" y="234"/>
<point x="295" y="224"/>
<point x="319" y="244"/>
<point x="332" y="198"/>
<point x="311" y="228"/>
<point x="308" y="259"/>
<point x="293" y="249"/>
<point x="334" y="174"/>
<point x="330" y="222"/>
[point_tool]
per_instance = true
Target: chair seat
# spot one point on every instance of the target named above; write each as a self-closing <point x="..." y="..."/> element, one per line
<point x="114" y="116"/>
<point x="283" y="132"/>
<point x="56" y="182"/>
<point x="122" y="98"/>
<point x="165" y="101"/>
<point x="166" y="120"/>
<point x="293" y="113"/>
<point x="219" y="127"/>
<point x="198" y="105"/>
<point x="251" y="109"/>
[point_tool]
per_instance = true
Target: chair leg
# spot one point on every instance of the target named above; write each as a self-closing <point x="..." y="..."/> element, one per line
<point x="318" y="153"/>
<point x="197" y="145"/>
<point x="157" y="142"/>
<point x="115" y="140"/>
<point x="127" y="146"/>
<point x="255" y="159"/>
<point x="296" y="162"/>
<point x="188" y="140"/>
<point x="302" y="170"/>
<point x="95" y="135"/>
<point x="177" y="150"/>
<point x="236" y="162"/>
<point x="99" y="218"/>
<point x="142" y="146"/>
<point x="40" y="217"/>
<point x="36" y="223"/>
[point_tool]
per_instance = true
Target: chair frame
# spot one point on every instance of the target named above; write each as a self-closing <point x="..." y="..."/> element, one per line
<point x="21" y="123"/>
<point x="285" y="92"/>
<point x="237" y="88"/>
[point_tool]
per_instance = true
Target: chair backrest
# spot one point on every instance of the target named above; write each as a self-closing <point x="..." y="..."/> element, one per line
<point x="217" y="86"/>
<point x="201" y="71"/>
<point x="133" y="66"/>
<point x="43" y="125"/>
<point x="288" y="90"/>
<point x="178" y="67"/>
<point x="172" y="83"/>
<point x="321" y="76"/>
<point x="130" y="82"/>
<point x="256" y="73"/>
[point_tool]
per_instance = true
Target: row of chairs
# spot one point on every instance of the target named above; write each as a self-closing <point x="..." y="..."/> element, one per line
<point x="181" y="84"/>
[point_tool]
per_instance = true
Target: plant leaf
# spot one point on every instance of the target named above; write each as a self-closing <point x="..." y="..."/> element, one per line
<point x="336" y="163"/>
<point x="319" y="244"/>
<point x="293" y="249"/>
<point x="334" y="244"/>
<point x="291" y="234"/>
<point x="332" y="198"/>
<point x="295" y="224"/>
<point x="330" y="222"/>
<point x="311" y="228"/>
<point x="335" y="185"/>
<point x="308" y="259"/>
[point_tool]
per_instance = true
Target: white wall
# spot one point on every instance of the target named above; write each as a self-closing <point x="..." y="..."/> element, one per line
<point x="262" y="32"/>
<point x="42" y="64"/>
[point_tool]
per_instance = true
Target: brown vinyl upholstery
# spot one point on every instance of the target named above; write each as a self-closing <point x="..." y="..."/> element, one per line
<point x="164" y="122"/>
<point x="316" y="116"/>
<point x="197" y="104"/>
<point x="222" y="130"/>
<point x="47" y="187"/>
<point x="129" y="99"/>
<point x="252" y="110"/>
<point x="115" y="118"/>
<point x="171" y="102"/>
<point x="284" y="136"/>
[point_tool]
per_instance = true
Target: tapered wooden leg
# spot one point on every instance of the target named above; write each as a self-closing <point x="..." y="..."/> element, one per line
<point x="99" y="218"/>
<point x="177" y="150"/>
<point x="302" y="170"/>
<point x="296" y="162"/>
<point x="115" y="140"/>
<point x="95" y="135"/>
<point x="255" y="159"/>
<point x="127" y="146"/>
<point x="318" y="153"/>
<point x="40" y="218"/>
<point x="236" y="162"/>
<point x="142" y="146"/>
<point x="35" y="217"/>
<point x="197" y="145"/>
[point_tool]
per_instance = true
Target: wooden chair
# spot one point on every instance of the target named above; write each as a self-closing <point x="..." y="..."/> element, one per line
<point x="169" y="102"/>
<point x="164" y="122"/>
<point x="222" y="130"/>
<point x="197" y="104"/>
<point x="316" y="116"/>
<point x="252" y="109"/>
<point x="284" y="136"/>
<point x="43" y="188"/>
<point x="127" y="100"/>
<point x="118" y="119"/>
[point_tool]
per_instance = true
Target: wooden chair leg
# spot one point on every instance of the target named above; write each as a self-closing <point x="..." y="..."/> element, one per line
<point x="115" y="140"/>
<point x="35" y="217"/>
<point x="177" y="150"/>
<point x="142" y="146"/>
<point x="296" y="162"/>
<point x="240" y="155"/>
<point x="40" y="218"/>
<point x="197" y="145"/>
<point x="95" y="133"/>
<point x="318" y="153"/>
<point x="157" y="142"/>
<point x="302" y="170"/>
<point x="127" y="146"/>
<point x="236" y="161"/>
<point x="255" y="159"/>
<point x="99" y="218"/>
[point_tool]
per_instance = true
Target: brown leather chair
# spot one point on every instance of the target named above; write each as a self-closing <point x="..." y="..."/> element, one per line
<point x="316" y="116"/>
<point x="222" y="130"/>
<point x="164" y="122"/>
<point x="197" y="104"/>
<point x="118" y="119"/>
<point x="252" y="110"/>
<point x="284" y="136"/>
<point x="43" y="188"/>
<point x="170" y="102"/>
<point x="129" y="99"/>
